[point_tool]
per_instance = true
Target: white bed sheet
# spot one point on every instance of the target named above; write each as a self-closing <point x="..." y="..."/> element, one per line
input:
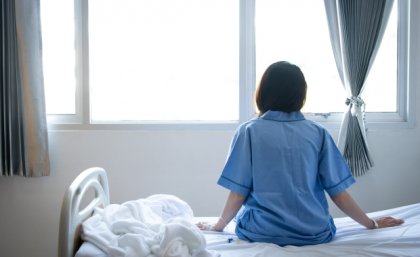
<point x="351" y="240"/>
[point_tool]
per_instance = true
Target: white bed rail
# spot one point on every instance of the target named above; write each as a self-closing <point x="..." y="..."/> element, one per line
<point x="72" y="213"/>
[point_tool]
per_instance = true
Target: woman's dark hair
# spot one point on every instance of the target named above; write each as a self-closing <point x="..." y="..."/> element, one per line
<point x="282" y="88"/>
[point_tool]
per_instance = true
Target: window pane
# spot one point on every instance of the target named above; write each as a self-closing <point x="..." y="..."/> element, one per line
<point x="297" y="31"/>
<point x="164" y="60"/>
<point x="380" y="92"/>
<point x="57" y="19"/>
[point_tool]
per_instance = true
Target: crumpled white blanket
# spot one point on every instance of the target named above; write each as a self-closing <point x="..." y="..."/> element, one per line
<point x="158" y="226"/>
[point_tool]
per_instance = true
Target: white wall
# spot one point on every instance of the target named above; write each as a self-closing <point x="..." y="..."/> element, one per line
<point x="186" y="163"/>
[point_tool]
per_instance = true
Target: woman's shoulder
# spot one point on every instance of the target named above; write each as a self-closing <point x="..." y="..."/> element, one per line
<point x="249" y="123"/>
<point x="259" y="123"/>
<point x="316" y="125"/>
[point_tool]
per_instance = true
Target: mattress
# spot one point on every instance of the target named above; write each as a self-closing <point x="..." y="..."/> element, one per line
<point x="351" y="240"/>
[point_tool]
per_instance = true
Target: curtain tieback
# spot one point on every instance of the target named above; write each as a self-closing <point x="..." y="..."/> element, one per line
<point x="356" y="104"/>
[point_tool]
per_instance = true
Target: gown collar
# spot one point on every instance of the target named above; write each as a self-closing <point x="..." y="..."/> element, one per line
<point x="282" y="116"/>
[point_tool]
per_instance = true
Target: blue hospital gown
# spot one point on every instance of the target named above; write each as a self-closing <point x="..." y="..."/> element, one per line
<point x="283" y="164"/>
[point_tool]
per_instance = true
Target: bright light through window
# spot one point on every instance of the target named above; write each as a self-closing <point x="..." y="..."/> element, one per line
<point x="58" y="47"/>
<point x="297" y="31"/>
<point x="164" y="60"/>
<point x="179" y="60"/>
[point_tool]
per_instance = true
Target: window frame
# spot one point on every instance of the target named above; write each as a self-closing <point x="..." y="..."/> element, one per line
<point x="403" y="118"/>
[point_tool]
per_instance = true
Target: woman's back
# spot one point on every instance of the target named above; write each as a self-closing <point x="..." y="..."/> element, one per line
<point x="286" y="202"/>
<point x="280" y="166"/>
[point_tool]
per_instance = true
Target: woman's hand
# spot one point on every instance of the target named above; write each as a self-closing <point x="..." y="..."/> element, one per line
<point x="388" y="221"/>
<point x="207" y="227"/>
<point x="204" y="226"/>
<point x="346" y="203"/>
<point x="232" y="206"/>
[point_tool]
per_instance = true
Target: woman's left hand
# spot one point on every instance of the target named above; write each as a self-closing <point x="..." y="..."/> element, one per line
<point x="205" y="226"/>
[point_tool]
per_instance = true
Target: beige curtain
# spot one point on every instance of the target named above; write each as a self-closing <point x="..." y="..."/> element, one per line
<point x="24" y="135"/>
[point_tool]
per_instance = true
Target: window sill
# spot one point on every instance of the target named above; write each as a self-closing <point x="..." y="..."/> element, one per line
<point x="374" y="121"/>
<point x="332" y="121"/>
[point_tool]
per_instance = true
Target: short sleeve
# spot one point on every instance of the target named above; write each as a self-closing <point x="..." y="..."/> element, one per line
<point x="334" y="172"/>
<point x="237" y="172"/>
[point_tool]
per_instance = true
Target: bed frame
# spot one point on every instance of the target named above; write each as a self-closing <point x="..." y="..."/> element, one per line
<point x="351" y="238"/>
<point x="72" y="211"/>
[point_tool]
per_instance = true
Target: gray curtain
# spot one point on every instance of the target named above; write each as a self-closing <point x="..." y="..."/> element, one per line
<point x="23" y="127"/>
<point x="356" y="30"/>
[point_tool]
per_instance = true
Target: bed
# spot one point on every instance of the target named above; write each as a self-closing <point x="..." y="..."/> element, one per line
<point x="351" y="239"/>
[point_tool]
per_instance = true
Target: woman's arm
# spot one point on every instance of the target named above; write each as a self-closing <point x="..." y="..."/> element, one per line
<point x="345" y="202"/>
<point x="232" y="206"/>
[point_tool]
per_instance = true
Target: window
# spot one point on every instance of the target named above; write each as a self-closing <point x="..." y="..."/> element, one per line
<point x="131" y="61"/>
<point x="297" y="31"/>
<point x="59" y="56"/>
<point x="164" y="60"/>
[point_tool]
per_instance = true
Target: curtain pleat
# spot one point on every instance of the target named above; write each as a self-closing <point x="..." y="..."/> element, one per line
<point x="353" y="153"/>
<point x="11" y="134"/>
<point x="356" y="30"/>
<point x="361" y="23"/>
<point x="23" y="127"/>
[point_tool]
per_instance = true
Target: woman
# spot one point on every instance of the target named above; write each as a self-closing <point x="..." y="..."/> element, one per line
<point x="279" y="167"/>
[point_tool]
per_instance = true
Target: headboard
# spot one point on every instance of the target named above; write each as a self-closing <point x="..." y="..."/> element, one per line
<point x="72" y="212"/>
